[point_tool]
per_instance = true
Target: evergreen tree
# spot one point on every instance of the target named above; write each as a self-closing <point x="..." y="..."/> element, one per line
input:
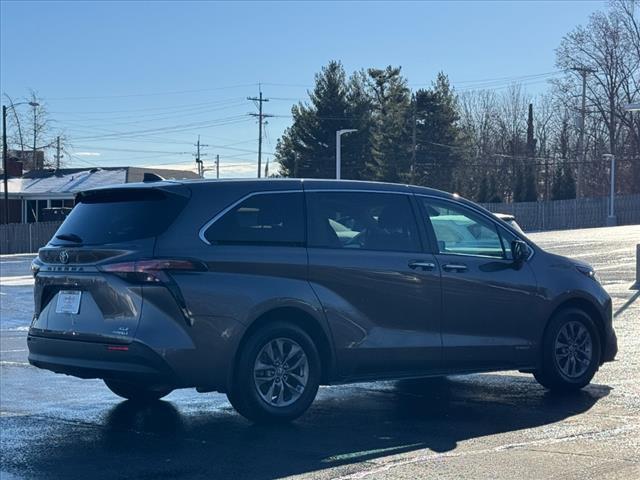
<point x="564" y="184"/>
<point x="307" y="148"/>
<point x="356" y="150"/>
<point x="391" y="133"/>
<point x="525" y="188"/>
<point x="438" y="135"/>
<point x="518" y="186"/>
<point x="531" y="141"/>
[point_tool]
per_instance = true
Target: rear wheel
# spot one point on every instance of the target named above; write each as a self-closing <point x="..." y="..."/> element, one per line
<point x="277" y="374"/>
<point x="137" y="392"/>
<point x="570" y="351"/>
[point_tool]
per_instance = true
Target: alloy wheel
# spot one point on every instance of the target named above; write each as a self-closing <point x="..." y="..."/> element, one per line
<point x="573" y="349"/>
<point x="281" y="372"/>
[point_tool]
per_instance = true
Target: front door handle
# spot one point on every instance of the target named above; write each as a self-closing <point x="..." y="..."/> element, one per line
<point x="454" y="267"/>
<point x="427" y="266"/>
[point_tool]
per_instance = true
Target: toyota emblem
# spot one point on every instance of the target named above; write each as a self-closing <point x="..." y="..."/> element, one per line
<point x="64" y="256"/>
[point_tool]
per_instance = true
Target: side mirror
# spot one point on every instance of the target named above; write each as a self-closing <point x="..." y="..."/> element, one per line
<point x="519" y="252"/>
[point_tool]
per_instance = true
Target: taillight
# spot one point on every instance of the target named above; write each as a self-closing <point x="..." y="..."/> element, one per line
<point x="151" y="271"/>
<point x="35" y="268"/>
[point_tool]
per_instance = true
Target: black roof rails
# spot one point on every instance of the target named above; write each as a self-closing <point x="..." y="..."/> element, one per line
<point x="152" y="177"/>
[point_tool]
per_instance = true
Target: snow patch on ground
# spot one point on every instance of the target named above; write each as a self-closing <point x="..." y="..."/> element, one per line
<point x="16" y="292"/>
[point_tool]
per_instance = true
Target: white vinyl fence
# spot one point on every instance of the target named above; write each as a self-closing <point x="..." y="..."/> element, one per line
<point x="567" y="214"/>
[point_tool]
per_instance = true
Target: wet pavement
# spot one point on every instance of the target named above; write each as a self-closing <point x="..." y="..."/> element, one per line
<point x="480" y="426"/>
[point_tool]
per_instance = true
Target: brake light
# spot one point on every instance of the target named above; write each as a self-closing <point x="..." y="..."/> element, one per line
<point x="151" y="271"/>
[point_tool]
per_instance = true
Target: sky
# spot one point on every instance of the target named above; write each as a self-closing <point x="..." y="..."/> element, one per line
<point x="135" y="83"/>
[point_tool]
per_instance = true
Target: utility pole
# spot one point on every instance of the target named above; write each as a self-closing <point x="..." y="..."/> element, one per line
<point x="5" y="163"/>
<point x="261" y="116"/>
<point x="198" y="159"/>
<point x="583" y="71"/>
<point x="35" y="130"/>
<point x="217" y="166"/>
<point x="266" y="169"/>
<point x="413" y="140"/>
<point x="58" y="156"/>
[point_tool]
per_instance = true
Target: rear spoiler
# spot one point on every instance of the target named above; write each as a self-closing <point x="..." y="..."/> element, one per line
<point x="131" y="192"/>
<point x="152" y="177"/>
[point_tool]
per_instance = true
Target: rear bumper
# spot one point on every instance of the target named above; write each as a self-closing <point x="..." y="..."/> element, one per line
<point x="134" y="362"/>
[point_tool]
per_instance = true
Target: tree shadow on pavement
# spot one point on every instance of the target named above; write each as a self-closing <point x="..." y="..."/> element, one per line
<point x="347" y="425"/>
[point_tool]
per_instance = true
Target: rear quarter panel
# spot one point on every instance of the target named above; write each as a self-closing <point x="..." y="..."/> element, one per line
<point x="241" y="282"/>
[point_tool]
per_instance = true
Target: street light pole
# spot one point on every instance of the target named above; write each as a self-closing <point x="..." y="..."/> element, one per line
<point x="5" y="164"/>
<point x="611" y="219"/>
<point x="339" y="134"/>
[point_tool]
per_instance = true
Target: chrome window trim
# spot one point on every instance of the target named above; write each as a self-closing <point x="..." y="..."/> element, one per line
<point x="489" y="217"/>
<point x="226" y="210"/>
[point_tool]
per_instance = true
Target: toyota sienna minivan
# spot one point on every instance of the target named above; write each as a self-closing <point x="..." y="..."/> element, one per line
<point x="266" y="289"/>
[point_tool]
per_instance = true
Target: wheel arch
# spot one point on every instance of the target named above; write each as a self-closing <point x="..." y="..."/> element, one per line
<point x="586" y="306"/>
<point x="302" y="319"/>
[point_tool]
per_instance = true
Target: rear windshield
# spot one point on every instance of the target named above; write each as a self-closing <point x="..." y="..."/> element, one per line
<point x="114" y="216"/>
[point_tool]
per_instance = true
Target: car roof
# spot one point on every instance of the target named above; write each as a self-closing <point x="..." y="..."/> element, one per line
<point x="289" y="184"/>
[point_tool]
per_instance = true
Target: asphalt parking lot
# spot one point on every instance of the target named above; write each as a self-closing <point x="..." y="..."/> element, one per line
<point x="480" y="426"/>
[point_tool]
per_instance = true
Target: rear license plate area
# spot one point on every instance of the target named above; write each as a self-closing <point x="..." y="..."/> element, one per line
<point x="69" y="301"/>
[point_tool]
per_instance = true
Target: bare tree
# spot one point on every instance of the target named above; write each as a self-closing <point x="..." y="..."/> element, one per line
<point x="602" y="47"/>
<point x="30" y="129"/>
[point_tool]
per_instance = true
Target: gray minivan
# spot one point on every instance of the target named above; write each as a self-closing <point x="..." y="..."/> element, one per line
<point x="266" y="289"/>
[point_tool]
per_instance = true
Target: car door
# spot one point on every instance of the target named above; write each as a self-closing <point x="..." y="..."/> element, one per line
<point x="490" y="304"/>
<point x="380" y="291"/>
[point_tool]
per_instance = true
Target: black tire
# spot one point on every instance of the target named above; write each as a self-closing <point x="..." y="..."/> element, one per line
<point x="139" y="393"/>
<point x="244" y="395"/>
<point x="551" y="374"/>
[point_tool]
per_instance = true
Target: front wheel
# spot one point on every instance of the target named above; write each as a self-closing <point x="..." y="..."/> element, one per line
<point x="277" y="375"/>
<point x="570" y="352"/>
<point x="139" y="393"/>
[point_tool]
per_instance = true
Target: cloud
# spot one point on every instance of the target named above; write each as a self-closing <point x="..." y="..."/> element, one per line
<point x="87" y="154"/>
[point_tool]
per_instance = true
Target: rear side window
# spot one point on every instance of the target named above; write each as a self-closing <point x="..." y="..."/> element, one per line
<point x="362" y="221"/>
<point x="114" y="216"/>
<point x="262" y="219"/>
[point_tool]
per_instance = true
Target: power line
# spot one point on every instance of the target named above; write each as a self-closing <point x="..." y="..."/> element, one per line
<point x="176" y="128"/>
<point x="178" y="92"/>
<point x="160" y="110"/>
<point x="193" y="111"/>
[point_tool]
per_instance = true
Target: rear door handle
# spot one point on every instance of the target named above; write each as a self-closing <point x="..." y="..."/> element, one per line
<point x="455" y="267"/>
<point x="427" y="266"/>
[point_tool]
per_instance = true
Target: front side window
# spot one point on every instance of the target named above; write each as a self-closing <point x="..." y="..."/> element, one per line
<point x="362" y="221"/>
<point x="262" y="219"/>
<point x="459" y="231"/>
